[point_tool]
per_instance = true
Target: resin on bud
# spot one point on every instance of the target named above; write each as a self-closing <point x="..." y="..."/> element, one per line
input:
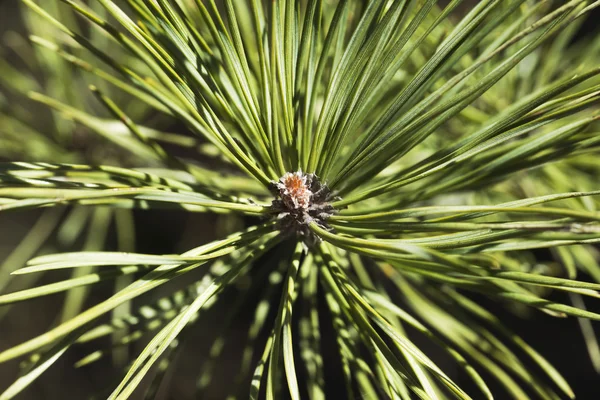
<point x="299" y="200"/>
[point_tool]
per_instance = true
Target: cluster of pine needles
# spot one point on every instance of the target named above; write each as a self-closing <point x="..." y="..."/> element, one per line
<point x="424" y="155"/>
